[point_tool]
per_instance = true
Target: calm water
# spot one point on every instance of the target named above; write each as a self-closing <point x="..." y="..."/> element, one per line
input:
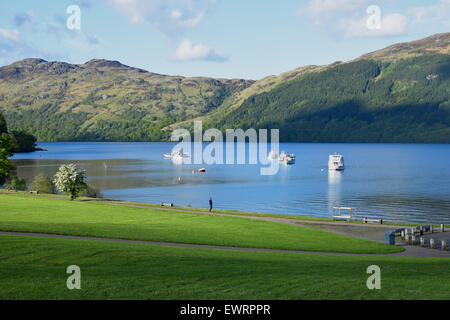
<point x="391" y="181"/>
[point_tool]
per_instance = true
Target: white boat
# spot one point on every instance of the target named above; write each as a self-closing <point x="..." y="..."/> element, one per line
<point x="290" y="159"/>
<point x="336" y="162"/>
<point x="282" y="156"/>
<point x="272" y="155"/>
<point x="175" y="154"/>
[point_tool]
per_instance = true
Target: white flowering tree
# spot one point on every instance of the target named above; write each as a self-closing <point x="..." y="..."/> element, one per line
<point x="70" y="180"/>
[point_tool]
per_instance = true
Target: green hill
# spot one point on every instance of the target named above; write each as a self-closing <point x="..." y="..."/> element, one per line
<point x="361" y="101"/>
<point x="103" y="100"/>
<point x="397" y="94"/>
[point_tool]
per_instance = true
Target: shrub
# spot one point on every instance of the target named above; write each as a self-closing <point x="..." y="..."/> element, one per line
<point x="43" y="184"/>
<point x="91" y="192"/>
<point x="17" y="184"/>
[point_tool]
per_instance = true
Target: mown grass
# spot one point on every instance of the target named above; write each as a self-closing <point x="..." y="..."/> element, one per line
<point x="29" y="214"/>
<point x="35" y="268"/>
<point x="194" y="209"/>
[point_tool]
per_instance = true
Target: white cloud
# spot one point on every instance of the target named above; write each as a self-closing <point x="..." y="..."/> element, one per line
<point x="175" y="14"/>
<point x="9" y="34"/>
<point x="349" y="18"/>
<point x="188" y="52"/>
<point x="318" y="10"/>
<point x="431" y="15"/>
<point x="171" y="17"/>
<point x="391" y="25"/>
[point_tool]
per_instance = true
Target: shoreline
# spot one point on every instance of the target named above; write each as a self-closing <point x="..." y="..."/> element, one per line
<point x="308" y="219"/>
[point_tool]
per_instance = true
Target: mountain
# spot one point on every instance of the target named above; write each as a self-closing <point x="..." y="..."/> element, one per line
<point x="103" y="100"/>
<point x="397" y="94"/>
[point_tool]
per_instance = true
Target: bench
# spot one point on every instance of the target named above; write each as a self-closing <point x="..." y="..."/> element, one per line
<point x="163" y="204"/>
<point x="337" y="213"/>
<point x="367" y="220"/>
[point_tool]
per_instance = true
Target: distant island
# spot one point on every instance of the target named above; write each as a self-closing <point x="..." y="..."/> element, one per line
<point x="397" y="94"/>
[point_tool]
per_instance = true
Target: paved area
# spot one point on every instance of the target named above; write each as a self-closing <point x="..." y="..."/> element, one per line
<point x="410" y="251"/>
<point x="171" y="244"/>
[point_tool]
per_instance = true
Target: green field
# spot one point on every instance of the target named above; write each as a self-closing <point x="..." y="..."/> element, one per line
<point x="35" y="268"/>
<point x="29" y="214"/>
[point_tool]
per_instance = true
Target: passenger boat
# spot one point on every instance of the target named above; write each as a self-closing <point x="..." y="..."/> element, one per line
<point x="336" y="162"/>
<point x="290" y="159"/>
<point x="175" y="154"/>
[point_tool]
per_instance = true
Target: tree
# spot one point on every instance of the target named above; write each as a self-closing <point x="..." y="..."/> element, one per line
<point x="70" y="180"/>
<point x="3" y="127"/>
<point x="43" y="184"/>
<point x="21" y="141"/>
<point x="5" y="164"/>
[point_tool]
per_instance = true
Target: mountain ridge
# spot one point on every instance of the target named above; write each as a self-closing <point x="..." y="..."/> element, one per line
<point x="109" y="101"/>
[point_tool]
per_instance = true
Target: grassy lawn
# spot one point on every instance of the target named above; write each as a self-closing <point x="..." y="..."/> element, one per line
<point x="190" y="209"/>
<point x="29" y="214"/>
<point x="35" y="268"/>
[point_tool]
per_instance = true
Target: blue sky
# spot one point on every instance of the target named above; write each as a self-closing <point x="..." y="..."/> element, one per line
<point x="217" y="38"/>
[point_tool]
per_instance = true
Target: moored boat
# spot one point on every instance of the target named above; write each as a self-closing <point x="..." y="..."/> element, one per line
<point x="290" y="159"/>
<point x="336" y="162"/>
<point x="175" y="154"/>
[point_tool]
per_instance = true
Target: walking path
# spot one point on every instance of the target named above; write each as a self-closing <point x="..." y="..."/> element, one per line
<point x="373" y="232"/>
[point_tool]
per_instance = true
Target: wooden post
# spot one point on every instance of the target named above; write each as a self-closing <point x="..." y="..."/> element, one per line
<point x="406" y="239"/>
<point x="421" y="230"/>
<point x="403" y="234"/>
<point x="442" y="227"/>
<point x="413" y="240"/>
<point x="431" y="228"/>
<point x="444" y="246"/>
<point x="432" y="243"/>
<point x="422" y="242"/>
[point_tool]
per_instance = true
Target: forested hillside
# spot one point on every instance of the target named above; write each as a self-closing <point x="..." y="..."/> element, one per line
<point x="396" y="94"/>
<point x="361" y="101"/>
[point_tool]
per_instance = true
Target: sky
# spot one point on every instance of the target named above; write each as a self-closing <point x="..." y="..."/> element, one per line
<point x="247" y="39"/>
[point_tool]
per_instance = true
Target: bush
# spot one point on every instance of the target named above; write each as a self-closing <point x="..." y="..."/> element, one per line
<point x="43" y="184"/>
<point x="17" y="184"/>
<point x="91" y="192"/>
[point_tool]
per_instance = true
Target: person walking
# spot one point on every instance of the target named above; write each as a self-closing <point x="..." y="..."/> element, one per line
<point x="210" y="204"/>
